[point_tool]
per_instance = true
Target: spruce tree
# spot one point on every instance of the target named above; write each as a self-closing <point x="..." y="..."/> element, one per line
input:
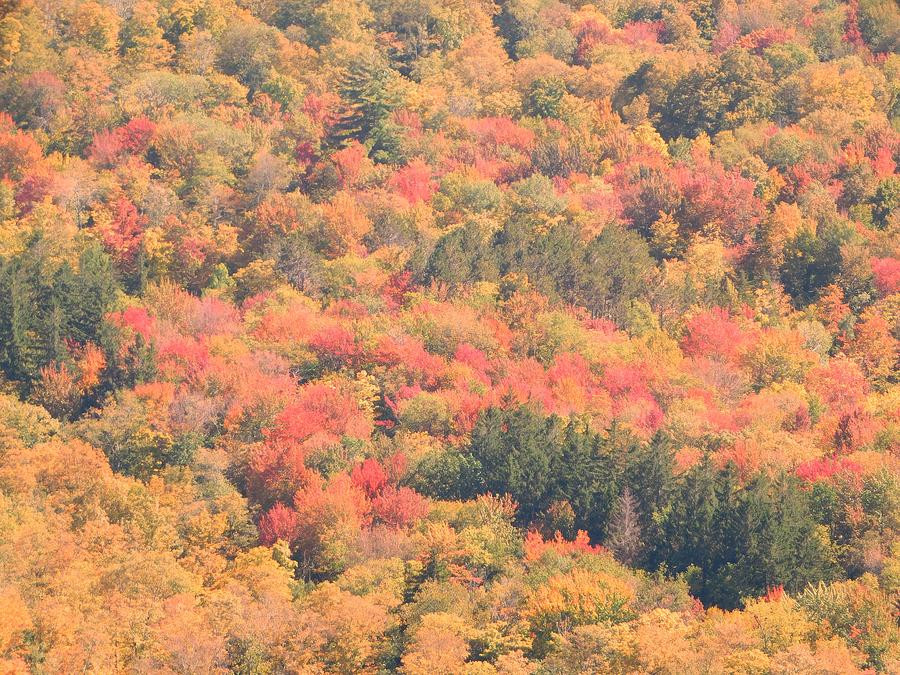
<point x="44" y="303"/>
<point x="687" y="527"/>
<point x="32" y="317"/>
<point x="92" y="294"/>
<point x="516" y="450"/>
<point x="575" y="474"/>
<point x="367" y="89"/>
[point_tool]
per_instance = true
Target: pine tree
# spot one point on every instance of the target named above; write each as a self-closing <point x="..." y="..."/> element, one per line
<point x="650" y="478"/>
<point x="687" y="535"/>
<point x="31" y="318"/>
<point x="612" y="453"/>
<point x="369" y="95"/>
<point x="576" y="474"/>
<point x="463" y="255"/>
<point x="43" y="303"/>
<point x="765" y="537"/>
<point x="92" y="294"/>
<point x="516" y="449"/>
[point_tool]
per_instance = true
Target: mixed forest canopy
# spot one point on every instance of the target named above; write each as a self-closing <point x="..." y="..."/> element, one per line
<point x="449" y="336"/>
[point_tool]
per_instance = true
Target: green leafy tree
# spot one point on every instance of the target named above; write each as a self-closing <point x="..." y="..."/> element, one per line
<point x="720" y="96"/>
<point x="616" y="269"/>
<point x="545" y="97"/>
<point x="462" y="256"/>
<point x="812" y="260"/>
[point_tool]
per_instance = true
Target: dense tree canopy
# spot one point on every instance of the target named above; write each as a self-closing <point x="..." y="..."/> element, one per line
<point x="420" y="336"/>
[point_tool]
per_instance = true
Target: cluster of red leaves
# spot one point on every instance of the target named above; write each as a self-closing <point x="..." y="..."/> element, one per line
<point x="134" y="137"/>
<point x="367" y="496"/>
<point x="826" y="467"/>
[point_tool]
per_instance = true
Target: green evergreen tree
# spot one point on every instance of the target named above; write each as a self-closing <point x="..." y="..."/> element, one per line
<point x="736" y="541"/>
<point x="517" y="449"/>
<point x="650" y="479"/>
<point x="32" y="320"/>
<point x="370" y="94"/>
<point x="577" y="474"/>
<point x="42" y="304"/>
<point x="92" y="294"/>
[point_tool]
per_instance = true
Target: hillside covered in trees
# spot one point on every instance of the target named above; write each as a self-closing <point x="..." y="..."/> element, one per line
<point x="449" y="336"/>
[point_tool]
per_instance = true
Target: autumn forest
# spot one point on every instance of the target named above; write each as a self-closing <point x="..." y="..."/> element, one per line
<point x="464" y="337"/>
